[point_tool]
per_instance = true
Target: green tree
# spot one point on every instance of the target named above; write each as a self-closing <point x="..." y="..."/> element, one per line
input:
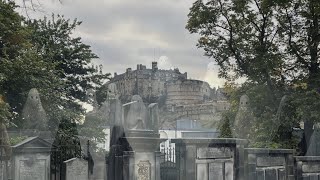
<point x="240" y="36"/>
<point x="275" y="45"/>
<point x="300" y="20"/>
<point x="225" y="128"/>
<point x="52" y="60"/>
<point x="13" y="34"/>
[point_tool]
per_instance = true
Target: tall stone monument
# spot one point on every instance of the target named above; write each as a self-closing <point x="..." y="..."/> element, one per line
<point x="135" y="143"/>
<point x="243" y="120"/>
<point x="33" y="113"/>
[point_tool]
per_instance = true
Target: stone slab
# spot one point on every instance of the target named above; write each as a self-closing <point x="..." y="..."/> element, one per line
<point x="269" y="161"/>
<point x="32" y="169"/>
<point x="229" y="171"/>
<point x="202" y="171"/>
<point x="76" y="169"/>
<point x="270" y="174"/>
<point x="216" y="171"/>
<point x="215" y="153"/>
<point x="311" y="167"/>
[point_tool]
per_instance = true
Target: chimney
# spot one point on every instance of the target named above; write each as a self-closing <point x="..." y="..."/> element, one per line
<point x="115" y="74"/>
<point x="138" y="66"/>
<point x="154" y="66"/>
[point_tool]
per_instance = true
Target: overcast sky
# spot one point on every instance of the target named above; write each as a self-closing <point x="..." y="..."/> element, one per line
<point x="124" y="33"/>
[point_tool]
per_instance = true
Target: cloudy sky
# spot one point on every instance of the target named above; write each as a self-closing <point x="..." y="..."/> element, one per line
<point x="124" y="33"/>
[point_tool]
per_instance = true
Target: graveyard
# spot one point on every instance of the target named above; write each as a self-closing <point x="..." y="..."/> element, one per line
<point x="160" y="90"/>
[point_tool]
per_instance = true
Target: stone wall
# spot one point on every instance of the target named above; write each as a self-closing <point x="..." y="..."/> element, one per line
<point x="269" y="164"/>
<point x="210" y="159"/>
<point x="210" y="111"/>
<point x="307" y="167"/>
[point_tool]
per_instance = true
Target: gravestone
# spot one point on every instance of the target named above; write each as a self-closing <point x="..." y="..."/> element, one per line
<point x="31" y="159"/>
<point x="76" y="169"/>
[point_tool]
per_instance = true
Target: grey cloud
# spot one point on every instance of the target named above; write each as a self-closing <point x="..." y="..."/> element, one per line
<point x="124" y="32"/>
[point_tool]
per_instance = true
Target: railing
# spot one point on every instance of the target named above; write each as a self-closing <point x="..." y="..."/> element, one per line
<point x="168" y="167"/>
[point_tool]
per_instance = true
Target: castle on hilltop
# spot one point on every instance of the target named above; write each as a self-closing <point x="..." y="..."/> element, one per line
<point x="172" y="90"/>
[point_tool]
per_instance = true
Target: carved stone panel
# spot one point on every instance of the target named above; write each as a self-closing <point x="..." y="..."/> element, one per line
<point x="144" y="170"/>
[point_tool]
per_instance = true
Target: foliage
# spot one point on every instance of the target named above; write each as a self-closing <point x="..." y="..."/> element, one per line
<point x="275" y="46"/>
<point x="225" y="128"/>
<point x="45" y="54"/>
<point x="4" y="111"/>
<point x="13" y="34"/>
<point x="17" y="139"/>
<point x="240" y="36"/>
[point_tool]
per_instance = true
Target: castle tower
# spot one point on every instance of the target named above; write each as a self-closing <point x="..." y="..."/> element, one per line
<point x="154" y="66"/>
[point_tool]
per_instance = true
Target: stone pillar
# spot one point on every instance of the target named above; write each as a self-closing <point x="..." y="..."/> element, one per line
<point x="128" y="165"/>
<point x="157" y="164"/>
<point x="191" y="155"/>
<point x="143" y="162"/>
<point x="251" y="164"/>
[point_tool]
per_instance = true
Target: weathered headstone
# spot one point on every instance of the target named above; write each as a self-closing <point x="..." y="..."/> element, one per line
<point x="76" y="169"/>
<point x="31" y="159"/>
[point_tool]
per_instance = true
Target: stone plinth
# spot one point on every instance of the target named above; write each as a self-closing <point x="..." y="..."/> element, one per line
<point x="269" y="164"/>
<point x="210" y="158"/>
<point x="143" y="162"/>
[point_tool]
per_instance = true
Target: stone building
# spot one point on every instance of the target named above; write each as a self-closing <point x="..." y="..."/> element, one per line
<point x="173" y="91"/>
<point x="148" y="83"/>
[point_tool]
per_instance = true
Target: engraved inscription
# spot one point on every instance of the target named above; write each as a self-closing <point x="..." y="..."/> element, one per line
<point x="268" y="161"/>
<point x="32" y="169"/>
<point x="144" y="170"/>
<point x="216" y="153"/>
